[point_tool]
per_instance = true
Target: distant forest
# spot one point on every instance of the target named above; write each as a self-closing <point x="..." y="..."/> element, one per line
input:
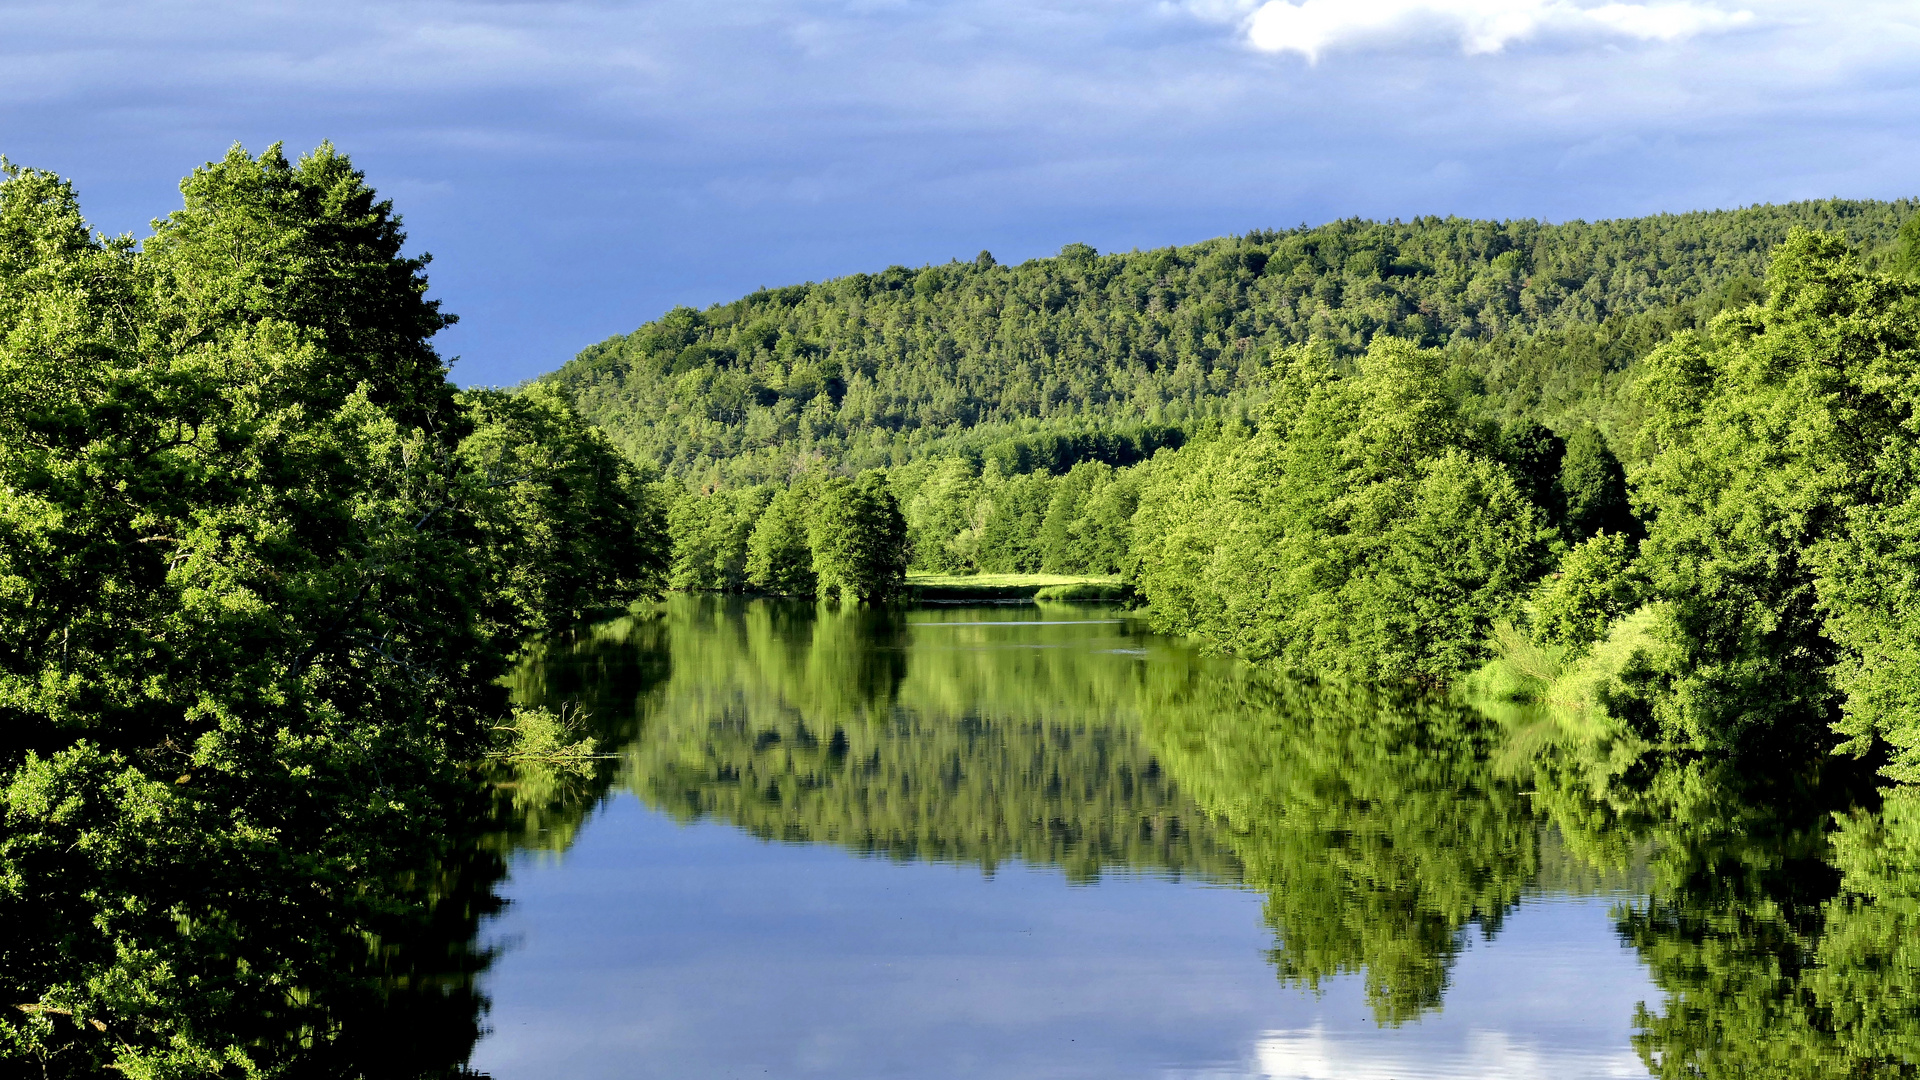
<point x="1663" y="471"/>
<point x="1086" y="356"/>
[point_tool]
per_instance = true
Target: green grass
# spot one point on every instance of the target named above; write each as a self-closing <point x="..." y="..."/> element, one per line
<point x="928" y="586"/>
<point x="1038" y="581"/>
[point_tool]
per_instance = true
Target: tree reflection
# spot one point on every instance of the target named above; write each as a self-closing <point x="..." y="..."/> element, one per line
<point x="1375" y="822"/>
<point x="909" y="735"/>
<point x="1780" y="922"/>
<point x="1775" y="907"/>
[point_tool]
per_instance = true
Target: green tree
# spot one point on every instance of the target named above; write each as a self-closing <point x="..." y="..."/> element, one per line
<point x="711" y="536"/>
<point x="859" y="540"/>
<point x="1781" y="487"/>
<point x="1011" y="540"/>
<point x="872" y="371"/>
<point x="1906" y="256"/>
<point x="248" y="619"/>
<point x="1359" y="532"/>
<point x="941" y="518"/>
<point x="780" y="555"/>
<point x="568" y="525"/>
<point x="1594" y="486"/>
<point x="1597" y="584"/>
<point x="1536" y="458"/>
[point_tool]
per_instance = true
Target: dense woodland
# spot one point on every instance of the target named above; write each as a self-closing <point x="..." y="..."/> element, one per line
<point x="876" y="370"/>
<point x="1663" y="479"/>
<point x="261" y="566"/>
<point x="264" y="574"/>
<point x="1754" y="594"/>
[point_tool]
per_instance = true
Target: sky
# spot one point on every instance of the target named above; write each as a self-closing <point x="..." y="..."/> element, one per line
<point x="578" y="168"/>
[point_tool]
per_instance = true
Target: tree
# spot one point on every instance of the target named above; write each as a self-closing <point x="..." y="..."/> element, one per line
<point x="1536" y="458"/>
<point x="249" y="626"/>
<point x="1594" y="486"/>
<point x="711" y="536"/>
<point x="780" y="556"/>
<point x="568" y="526"/>
<point x="941" y="517"/>
<point x="1597" y="584"/>
<point x="871" y="371"/>
<point x="1906" y="257"/>
<point x="1782" y="488"/>
<point x="859" y="540"/>
<point x="1359" y="532"/>
<point x="1010" y="531"/>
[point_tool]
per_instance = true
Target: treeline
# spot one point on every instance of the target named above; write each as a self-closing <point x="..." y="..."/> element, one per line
<point x="822" y="536"/>
<point x="1753" y="589"/>
<point x="1712" y="549"/>
<point x="261" y="568"/>
<point x="786" y="540"/>
<point x="1369" y="527"/>
<point x="878" y="370"/>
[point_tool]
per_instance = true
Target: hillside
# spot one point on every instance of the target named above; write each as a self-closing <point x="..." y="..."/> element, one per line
<point x="1120" y="352"/>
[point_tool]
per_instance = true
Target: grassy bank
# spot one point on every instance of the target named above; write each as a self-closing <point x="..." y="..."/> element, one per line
<point x="1013" y="587"/>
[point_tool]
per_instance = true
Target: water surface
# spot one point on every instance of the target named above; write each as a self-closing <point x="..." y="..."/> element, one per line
<point x="1041" y="842"/>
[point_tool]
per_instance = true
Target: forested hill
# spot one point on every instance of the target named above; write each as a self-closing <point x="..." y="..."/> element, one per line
<point x="879" y="369"/>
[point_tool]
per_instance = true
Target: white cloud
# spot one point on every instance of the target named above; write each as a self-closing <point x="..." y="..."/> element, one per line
<point x="1316" y="1054"/>
<point x="1311" y="27"/>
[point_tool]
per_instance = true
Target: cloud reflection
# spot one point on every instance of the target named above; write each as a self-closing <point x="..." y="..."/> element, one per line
<point x="1316" y="1054"/>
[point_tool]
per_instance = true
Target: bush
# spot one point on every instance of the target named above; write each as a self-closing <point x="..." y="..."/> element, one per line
<point x="1597" y="584"/>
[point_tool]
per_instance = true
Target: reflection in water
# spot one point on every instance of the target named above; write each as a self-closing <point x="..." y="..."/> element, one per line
<point x="1316" y="1054"/>
<point x="1386" y="829"/>
<point x="1777" y="910"/>
<point x="922" y="735"/>
<point x="1376" y="824"/>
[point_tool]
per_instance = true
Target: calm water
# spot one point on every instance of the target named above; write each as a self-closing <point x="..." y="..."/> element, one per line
<point x="1040" y="842"/>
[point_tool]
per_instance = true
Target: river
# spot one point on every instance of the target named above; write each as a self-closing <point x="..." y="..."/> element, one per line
<point x="1040" y="841"/>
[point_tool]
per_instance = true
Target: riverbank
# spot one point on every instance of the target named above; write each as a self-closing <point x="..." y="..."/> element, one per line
<point x="1013" y="587"/>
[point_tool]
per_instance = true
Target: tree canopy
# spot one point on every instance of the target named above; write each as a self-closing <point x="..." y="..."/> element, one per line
<point x="876" y="370"/>
<point x="260" y="567"/>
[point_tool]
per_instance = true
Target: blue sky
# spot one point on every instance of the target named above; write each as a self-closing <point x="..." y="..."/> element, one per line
<point x="578" y="167"/>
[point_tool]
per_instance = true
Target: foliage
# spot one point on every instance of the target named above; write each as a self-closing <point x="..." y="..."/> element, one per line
<point x="1597" y="583"/>
<point x="1593" y="486"/>
<point x="253" y="600"/>
<point x="780" y="553"/>
<point x="1906" y="255"/>
<point x="568" y="523"/>
<point x="873" y="370"/>
<point x="711" y="537"/>
<point x="1781" y="490"/>
<point x="827" y="535"/>
<point x="1521" y="669"/>
<point x="859" y="540"/>
<point x="1364" y="530"/>
<point x="984" y="520"/>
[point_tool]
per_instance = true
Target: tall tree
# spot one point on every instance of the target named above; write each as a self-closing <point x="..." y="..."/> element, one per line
<point x="567" y="524"/>
<point x="1783" y="487"/>
<point x="780" y="554"/>
<point x="1594" y="485"/>
<point x="859" y="540"/>
<point x="248" y="619"/>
